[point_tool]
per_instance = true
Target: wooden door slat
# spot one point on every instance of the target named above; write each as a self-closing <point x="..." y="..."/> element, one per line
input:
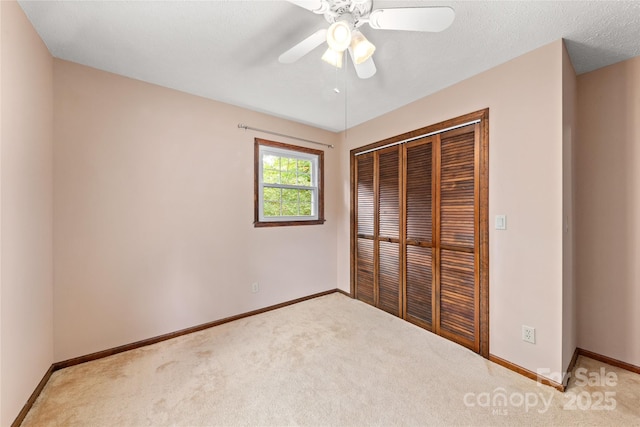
<point x="419" y="283"/>
<point x="365" y="195"/>
<point x="365" y="271"/>
<point x="389" y="193"/>
<point x="458" y="309"/>
<point x="457" y="190"/>
<point x="419" y="201"/>
<point x="388" y="277"/>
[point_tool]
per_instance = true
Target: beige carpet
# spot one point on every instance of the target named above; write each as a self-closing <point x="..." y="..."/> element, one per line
<point x="327" y="361"/>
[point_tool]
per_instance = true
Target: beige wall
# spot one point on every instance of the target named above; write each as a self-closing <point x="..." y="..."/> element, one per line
<point x="608" y="211"/>
<point x="25" y="210"/>
<point x="153" y="214"/>
<point x="569" y="119"/>
<point x="525" y="183"/>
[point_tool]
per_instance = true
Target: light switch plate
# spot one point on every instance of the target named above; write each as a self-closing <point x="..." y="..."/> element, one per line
<point x="501" y="222"/>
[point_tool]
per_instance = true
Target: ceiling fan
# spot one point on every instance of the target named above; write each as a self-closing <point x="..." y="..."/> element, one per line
<point x="347" y="16"/>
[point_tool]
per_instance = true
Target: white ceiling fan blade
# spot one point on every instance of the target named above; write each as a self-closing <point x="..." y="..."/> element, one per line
<point x="431" y="19"/>
<point x="366" y="69"/>
<point x="316" y="6"/>
<point x="304" y="47"/>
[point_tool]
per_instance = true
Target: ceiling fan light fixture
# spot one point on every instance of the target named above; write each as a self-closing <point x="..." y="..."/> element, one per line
<point x="339" y="36"/>
<point x="362" y="48"/>
<point x="333" y="57"/>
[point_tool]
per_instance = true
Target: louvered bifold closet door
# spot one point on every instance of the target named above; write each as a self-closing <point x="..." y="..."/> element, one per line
<point x="419" y="233"/>
<point x="365" y="213"/>
<point x="420" y="228"/>
<point x="388" y="230"/>
<point x="457" y="314"/>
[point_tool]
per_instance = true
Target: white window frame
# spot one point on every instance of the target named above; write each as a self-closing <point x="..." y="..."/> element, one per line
<point x="265" y="150"/>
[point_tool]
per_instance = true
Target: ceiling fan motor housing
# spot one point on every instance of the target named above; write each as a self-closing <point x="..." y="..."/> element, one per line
<point x="348" y="10"/>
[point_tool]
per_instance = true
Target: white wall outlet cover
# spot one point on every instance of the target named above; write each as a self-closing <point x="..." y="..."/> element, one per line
<point x="501" y="222"/>
<point x="529" y="334"/>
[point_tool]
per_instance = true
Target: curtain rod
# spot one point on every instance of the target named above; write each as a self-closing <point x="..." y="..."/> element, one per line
<point x="245" y="127"/>
<point x="473" y="122"/>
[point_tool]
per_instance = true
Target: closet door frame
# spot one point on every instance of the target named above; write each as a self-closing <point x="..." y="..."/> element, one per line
<point x="482" y="208"/>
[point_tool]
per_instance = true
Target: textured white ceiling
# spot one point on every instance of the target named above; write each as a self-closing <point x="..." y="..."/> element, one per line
<point x="228" y="50"/>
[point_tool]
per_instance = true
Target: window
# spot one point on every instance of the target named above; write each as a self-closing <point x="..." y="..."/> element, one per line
<point x="288" y="185"/>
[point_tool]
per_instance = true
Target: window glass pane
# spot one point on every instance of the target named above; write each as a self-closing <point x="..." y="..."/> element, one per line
<point x="271" y="169"/>
<point x="290" y="202"/>
<point x="304" y="179"/>
<point x="288" y="164"/>
<point x="289" y="177"/>
<point x="287" y="202"/>
<point x="305" y="170"/>
<point x="306" y="202"/>
<point x="271" y="176"/>
<point x="304" y="166"/>
<point x="271" y="208"/>
<point x="305" y="196"/>
<point x="305" y="209"/>
<point x="269" y="161"/>
<point x="272" y="194"/>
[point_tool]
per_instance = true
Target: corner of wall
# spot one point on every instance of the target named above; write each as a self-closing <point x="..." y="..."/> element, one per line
<point x="343" y="228"/>
<point x="26" y="253"/>
<point x="569" y="113"/>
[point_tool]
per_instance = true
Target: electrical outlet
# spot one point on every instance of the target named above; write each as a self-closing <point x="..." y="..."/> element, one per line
<point x="255" y="287"/>
<point x="529" y="334"/>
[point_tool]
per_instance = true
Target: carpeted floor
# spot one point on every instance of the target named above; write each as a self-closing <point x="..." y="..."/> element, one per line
<point x="327" y="361"/>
